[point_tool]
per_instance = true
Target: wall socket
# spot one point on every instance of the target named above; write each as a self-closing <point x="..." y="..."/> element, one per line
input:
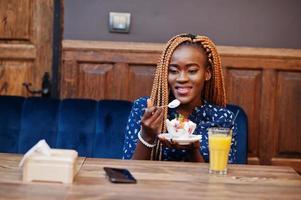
<point x="119" y="22"/>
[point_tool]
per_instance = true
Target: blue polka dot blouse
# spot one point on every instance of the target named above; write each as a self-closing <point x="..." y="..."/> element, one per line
<point x="204" y="116"/>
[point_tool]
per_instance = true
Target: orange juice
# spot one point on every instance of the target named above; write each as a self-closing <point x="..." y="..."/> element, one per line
<point x="219" y="147"/>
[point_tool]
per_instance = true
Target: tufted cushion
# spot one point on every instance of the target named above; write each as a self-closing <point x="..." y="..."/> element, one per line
<point x="76" y="127"/>
<point x="111" y="121"/>
<point x="10" y="121"/>
<point x="94" y="129"/>
<point x="39" y="121"/>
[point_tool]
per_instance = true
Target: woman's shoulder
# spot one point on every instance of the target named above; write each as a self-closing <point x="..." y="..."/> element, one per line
<point x="141" y="102"/>
<point x="138" y="108"/>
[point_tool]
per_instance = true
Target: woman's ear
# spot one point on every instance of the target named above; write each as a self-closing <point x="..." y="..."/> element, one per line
<point x="208" y="74"/>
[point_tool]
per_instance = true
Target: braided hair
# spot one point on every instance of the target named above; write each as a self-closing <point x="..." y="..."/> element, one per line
<point x="213" y="91"/>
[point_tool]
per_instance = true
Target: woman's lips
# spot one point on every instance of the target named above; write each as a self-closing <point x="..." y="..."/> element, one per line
<point x="183" y="90"/>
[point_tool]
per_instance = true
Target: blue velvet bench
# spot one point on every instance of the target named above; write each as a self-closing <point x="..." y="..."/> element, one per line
<point x="93" y="128"/>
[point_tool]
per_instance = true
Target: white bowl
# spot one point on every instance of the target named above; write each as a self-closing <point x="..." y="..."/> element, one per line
<point x="176" y="132"/>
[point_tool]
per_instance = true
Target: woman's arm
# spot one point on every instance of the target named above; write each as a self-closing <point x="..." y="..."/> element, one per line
<point x="195" y="154"/>
<point x="149" y="121"/>
<point x="150" y="128"/>
<point x="133" y="127"/>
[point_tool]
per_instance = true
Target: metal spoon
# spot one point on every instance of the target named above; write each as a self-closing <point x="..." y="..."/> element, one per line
<point x="175" y="103"/>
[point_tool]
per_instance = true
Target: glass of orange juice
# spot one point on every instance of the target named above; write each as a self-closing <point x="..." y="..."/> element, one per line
<point x="219" y="147"/>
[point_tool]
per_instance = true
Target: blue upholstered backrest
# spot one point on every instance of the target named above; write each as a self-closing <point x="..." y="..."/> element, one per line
<point x="242" y="133"/>
<point x="94" y="129"/>
<point x="110" y="128"/>
<point x="38" y="121"/>
<point x="10" y="122"/>
<point x="76" y="128"/>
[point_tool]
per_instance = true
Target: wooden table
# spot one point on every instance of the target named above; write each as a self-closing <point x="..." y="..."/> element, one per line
<point x="156" y="180"/>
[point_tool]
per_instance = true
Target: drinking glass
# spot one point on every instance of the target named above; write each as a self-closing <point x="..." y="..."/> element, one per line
<point x="219" y="147"/>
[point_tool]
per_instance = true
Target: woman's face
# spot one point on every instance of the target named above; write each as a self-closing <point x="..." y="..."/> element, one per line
<point x="187" y="74"/>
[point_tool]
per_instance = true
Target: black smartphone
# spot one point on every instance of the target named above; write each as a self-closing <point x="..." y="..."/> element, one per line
<point x="118" y="175"/>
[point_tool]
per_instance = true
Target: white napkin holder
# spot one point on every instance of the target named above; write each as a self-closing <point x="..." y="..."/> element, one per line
<point x="41" y="163"/>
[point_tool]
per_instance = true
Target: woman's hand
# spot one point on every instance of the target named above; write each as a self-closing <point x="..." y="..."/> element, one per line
<point x="193" y="149"/>
<point x="193" y="146"/>
<point x="151" y="122"/>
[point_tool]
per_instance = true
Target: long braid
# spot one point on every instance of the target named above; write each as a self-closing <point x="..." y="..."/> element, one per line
<point x="160" y="87"/>
<point x="158" y="73"/>
<point x="213" y="91"/>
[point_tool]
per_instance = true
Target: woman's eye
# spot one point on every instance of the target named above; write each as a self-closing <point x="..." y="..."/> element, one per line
<point x="173" y="71"/>
<point x="193" y="71"/>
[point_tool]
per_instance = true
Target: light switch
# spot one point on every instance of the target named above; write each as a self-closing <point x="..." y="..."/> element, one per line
<point x="119" y="22"/>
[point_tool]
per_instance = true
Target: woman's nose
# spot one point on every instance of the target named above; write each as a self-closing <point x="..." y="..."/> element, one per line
<point x="182" y="77"/>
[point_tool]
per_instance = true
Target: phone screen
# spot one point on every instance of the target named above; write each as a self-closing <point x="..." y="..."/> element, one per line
<point x="118" y="175"/>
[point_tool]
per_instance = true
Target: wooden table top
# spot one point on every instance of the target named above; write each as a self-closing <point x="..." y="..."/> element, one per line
<point x="156" y="180"/>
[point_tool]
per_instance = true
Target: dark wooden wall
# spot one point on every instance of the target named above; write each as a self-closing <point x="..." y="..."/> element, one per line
<point x="265" y="82"/>
<point x="25" y="44"/>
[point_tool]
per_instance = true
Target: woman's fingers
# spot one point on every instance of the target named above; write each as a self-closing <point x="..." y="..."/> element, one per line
<point x="176" y="145"/>
<point x="149" y="103"/>
<point x="148" y="112"/>
<point x="151" y="121"/>
<point x="152" y="117"/>
<point x="165" y="142"/>
<point x="190" y="146"/>
<point x="156" y="115"/>
<point x="168" y="142"/>
<point x="158" y="120"/>
<point x="152" y="113"/>
<point x="196" y="144"/>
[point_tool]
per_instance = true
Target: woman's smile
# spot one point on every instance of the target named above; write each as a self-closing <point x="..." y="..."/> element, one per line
<point x="183" y="90"/>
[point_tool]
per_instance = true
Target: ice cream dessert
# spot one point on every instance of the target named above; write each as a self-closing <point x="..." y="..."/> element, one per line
<point x="180" y="127"/>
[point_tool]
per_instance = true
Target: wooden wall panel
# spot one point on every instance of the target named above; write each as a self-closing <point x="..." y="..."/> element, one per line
<point x="26" y="29"/>
<point x="42" y="38"/>
<point x="264" y="82"/>
<point x="12" y="73"/>
<point x="244" y="88"/>
<point x="15" y="18"/>
<point x="288" y="113"/>
<point x="118" y="86"/>
<point x="129" y="64"/>
<point x="93" y="78"/>
<point x="69" y="75"/>
<point x="287" y="145"/>
<point x="267" y="113"/>
<point x="140" y="81"/>
<point x="106" y="80"/>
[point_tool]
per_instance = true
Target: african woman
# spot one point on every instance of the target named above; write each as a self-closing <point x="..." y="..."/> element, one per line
<point x="189" y="70"/>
